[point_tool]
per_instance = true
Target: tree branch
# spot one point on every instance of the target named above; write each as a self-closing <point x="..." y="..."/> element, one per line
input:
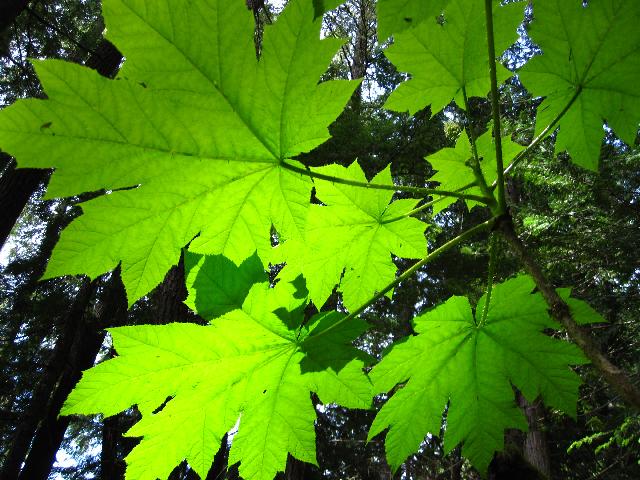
<point x="559" y="310"/>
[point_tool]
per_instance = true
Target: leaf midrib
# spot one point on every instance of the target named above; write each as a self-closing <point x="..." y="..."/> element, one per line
<point x="209" y="80"/>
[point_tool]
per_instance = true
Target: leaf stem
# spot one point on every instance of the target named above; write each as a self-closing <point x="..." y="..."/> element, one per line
<point x="534" y="143"/>
<point x="475" y="163"/>
<point x="376" y="186"/>
<point x="411" y="270"/>
<point x="495" y="106"/>
<point x="493" y="253"/>
<point x="542" y="135"/>
<point x="414" y="211"/>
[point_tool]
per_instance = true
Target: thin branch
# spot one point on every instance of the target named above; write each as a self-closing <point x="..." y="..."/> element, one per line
<point x="560" y="311"/>
<point x="376" y="186"/>
<point x="410" y="271"/>
<point x="56" y="29"/>
<point x="495" y="106"/>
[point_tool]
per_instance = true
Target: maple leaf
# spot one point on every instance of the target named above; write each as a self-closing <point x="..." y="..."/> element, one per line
<point x="195" y="123"/>
<point x="212" y="376"/>
<point x="456" y="358"/>
<point x="454" y="171"/>
<point x="444" y="58"/>
<point x="357" y="231"/>
<point x="394" y="16"/>
<point x="590" y="61"/>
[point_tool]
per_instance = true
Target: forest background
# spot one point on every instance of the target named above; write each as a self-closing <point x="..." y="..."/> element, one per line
<point x="581" y="226"/>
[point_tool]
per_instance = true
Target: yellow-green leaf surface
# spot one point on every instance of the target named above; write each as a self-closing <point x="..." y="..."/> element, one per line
<point x="445" y="57"/>
<point x="593" y="52"/>
<point x="455" y="173"/>
<point x="473" y="366"/>
<point x="256" y="363"/>
<point x="394" y="16"/>
<point x="194" y="124"/>
<point x="356" y="231"/>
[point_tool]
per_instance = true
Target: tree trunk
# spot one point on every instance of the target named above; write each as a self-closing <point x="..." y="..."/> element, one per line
<point x="295" y="469"/>
<point x="50" y="433"/>
<point x="9" y="11"/>
<point x="168" y="298"/>
<point x="18" y="185"/>
<point x="526" y="454"/>
<point x="16" y="188"/>
<point x="110" y="309"/>
<point x="38" y="411"/>
<point x="220" y="461"/>
<point x="361" y="53"/>
<point x="535" y="448"/>
<point x="112" y="467"/>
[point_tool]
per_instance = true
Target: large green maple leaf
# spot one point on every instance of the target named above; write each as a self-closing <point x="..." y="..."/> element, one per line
<point x="473" y="366"/>
<point x="454" y="171"/>
<point x="445" y="57"/>
<point x="591" y="53"/>
<point x="356" y="231"/>
<point x="195" y="123"/>
<point x="212" y="376"/>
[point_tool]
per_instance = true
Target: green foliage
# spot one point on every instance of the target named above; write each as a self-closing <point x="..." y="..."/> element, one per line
<point x="446" y="58"/>
<point x="205" y="159"/>
<point x="354" y="232"/>
<point x="457" y="361"/>
<point x="394" y="16"/>
<point x="195" y="145"/>
<point x="454" y="170"/>
<point x="622" y="436"/>
<point x="591" y="63"/>
<point x="209" y="376"/>
<point x="321" y="6"/>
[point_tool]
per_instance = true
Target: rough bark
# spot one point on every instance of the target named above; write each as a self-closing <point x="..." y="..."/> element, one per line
<point x="111" y="466"/>
<point x="361" y="50"/>
<point x="535" y="448"/>
<point x="560" y="311"/>
<point x="110" y="309"/>
<point x="50" y="433"/>
<point x="295" y="469"/>
<point x="9" y="11"/>
<point x="16" y="188"/>
<point x="168" y="298"/>
<point x="25" y="431"/>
